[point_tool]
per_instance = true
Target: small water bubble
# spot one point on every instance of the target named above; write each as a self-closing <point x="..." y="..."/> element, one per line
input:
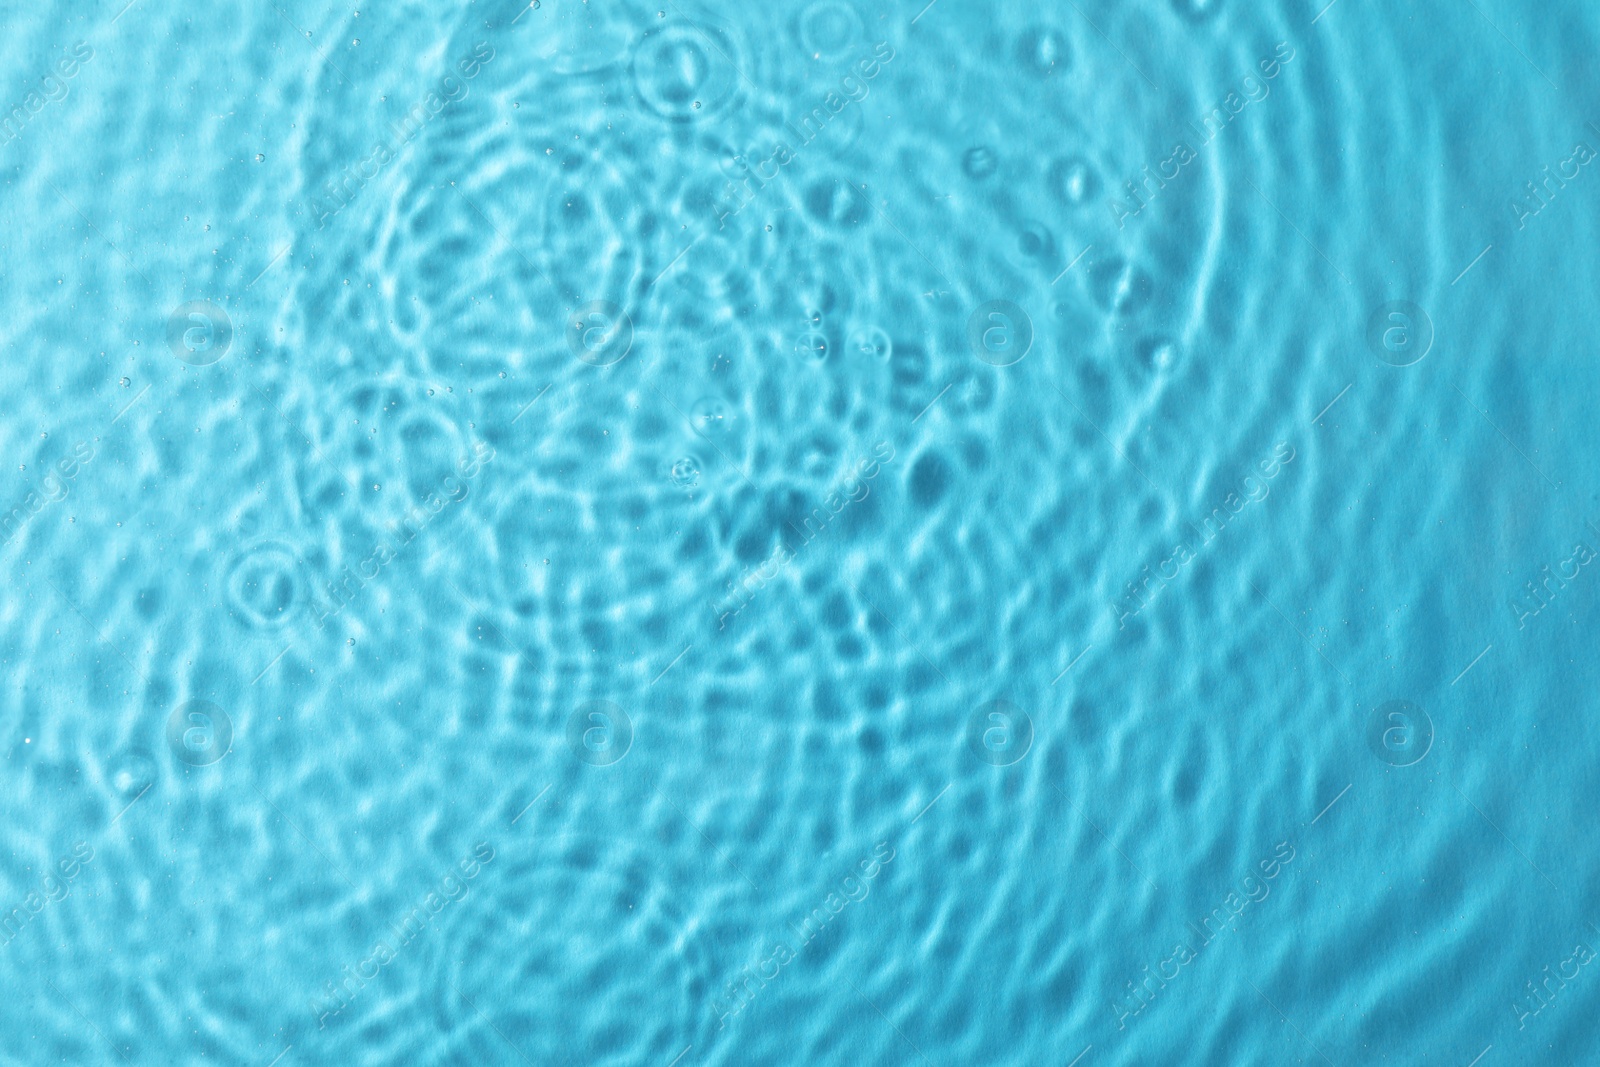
<point x="123" y="383"/>
<point x="260" y="158"/>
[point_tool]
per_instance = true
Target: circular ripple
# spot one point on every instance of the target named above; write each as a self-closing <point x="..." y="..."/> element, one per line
<point x="266" y="585"/>
<point x="686" y="471"/>
<point x="870" y="343"/>
<point x="685" y="73"/>
<point x="828" y="29"/>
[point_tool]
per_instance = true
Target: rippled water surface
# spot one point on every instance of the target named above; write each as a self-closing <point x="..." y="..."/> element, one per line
<point x="802" y="532"/>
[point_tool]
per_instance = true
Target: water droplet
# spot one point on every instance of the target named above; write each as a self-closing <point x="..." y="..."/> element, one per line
<point x="123" y="383"/>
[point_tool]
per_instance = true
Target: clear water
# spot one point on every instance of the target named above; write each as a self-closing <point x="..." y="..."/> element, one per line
<point x="801" y="532"/>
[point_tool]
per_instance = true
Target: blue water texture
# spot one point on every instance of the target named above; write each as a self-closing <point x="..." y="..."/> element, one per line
<point x="702" y="534"/>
